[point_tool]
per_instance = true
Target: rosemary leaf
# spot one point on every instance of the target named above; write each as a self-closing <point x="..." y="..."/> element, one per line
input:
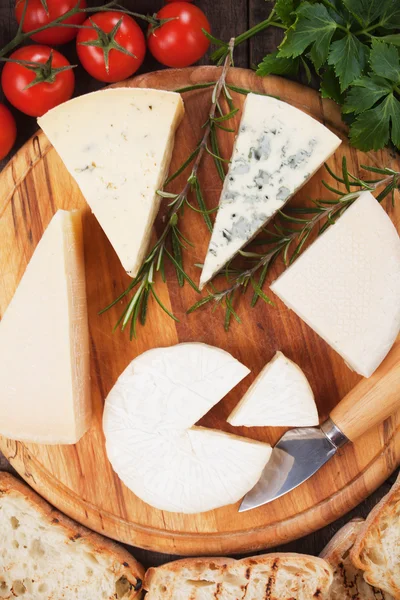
<point x="200" y="303"/>
<point x="260" y="292"/>
<point x="216" y="151"/>
<point x="165" y="309"/>
<point x="177" y="251"/>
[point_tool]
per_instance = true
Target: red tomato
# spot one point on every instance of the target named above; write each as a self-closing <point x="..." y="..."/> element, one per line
<point x="8" y="131"/>
<point x="110" y="58"/>
<point x="36" y="16"/>
<point x="169" y="1"/>
<point x="52" y="88"/>
<point x="181" y="41"/>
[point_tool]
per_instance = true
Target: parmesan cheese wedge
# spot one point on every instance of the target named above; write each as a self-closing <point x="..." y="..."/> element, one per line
<point x="279" y="397"/>
<point x="44" y="342"/>
<point x="346" y="285"/>
<point x="117" y="144"/>
<point x="151" y="439"/>
<point x="277" y="150"/>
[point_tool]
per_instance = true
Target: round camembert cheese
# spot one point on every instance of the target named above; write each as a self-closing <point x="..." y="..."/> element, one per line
<point x="151" y="438"/>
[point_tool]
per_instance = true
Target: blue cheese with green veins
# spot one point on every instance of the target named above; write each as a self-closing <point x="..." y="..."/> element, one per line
<point x="278" y="148"/>
<point x="346" y="285"/>
<point x="117" y="144"/>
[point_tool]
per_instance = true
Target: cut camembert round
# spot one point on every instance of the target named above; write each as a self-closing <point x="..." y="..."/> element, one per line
<point x="279" y="397"/>
<point x="151" y="438"/>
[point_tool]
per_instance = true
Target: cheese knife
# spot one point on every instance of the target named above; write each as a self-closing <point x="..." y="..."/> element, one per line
<point x="303" y="451"/>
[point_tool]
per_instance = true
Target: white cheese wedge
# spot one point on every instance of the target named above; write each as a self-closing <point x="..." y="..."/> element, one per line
<point x="279" y="397"/>
<point x="151" y="440"/>
<point x="346" y="285"/>
<point x="277" y="150"/>
<point x="44" y="342"/>
<point x="117" y="144"/>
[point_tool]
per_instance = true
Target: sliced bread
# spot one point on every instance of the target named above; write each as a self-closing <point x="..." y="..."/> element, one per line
<point x="348" y="581"/>
<point x="377" y="548"/>
<point x="266" y="577"/>
<point x="47" y="556"/>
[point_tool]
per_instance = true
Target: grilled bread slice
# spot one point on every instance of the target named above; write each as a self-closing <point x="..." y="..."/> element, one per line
<point x="266" y="577"/>
<point x="377" y="548"/>
<point x="46" y="556"/>
<point x="348" y="581"/>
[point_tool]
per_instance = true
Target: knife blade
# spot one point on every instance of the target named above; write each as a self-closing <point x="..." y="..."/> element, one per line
<point x="302" y="451"/>
<point x="296" y="457"/>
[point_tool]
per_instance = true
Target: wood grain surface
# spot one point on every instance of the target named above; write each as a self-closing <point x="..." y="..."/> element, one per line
<point x="79" y="480"/>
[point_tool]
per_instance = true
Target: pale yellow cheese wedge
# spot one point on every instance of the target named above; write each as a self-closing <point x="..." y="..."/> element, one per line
<point x="44" y="342"/>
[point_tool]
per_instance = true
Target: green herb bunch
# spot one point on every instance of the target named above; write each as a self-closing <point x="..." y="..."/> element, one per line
<point x="353" y="47"/>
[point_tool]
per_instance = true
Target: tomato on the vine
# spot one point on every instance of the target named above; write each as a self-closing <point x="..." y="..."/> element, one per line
<point x="36" y="16"/>
<point x="114" y="47"/>
<point x="179" y="42"/>
<point x="45" y="81"/>
<point x="8" y="131"/>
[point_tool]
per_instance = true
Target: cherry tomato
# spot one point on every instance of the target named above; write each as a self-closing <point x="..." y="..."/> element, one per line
<point x="181" y="41"/>
<point x="8" y="131"/>
<point x="36" y="16"/>
<point x="113" y="49"/>
<point x="169" y="1"/>
<point x="52" y="87"/>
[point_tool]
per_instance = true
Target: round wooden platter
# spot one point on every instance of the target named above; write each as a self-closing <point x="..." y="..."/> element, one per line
<point x="79" y="479"/>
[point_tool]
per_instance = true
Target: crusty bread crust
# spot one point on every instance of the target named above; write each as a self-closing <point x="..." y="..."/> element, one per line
<point x="126" y="565"/>
<point x="370" y="541"/>
<point x="348" y="582"/>
<point x="342" y="541"/>
<point x="162" y="582"/>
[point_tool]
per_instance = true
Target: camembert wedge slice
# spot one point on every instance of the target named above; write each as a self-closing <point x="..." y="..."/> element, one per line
<point x="152" y="441"/>
<point x="346" y="285"/>
<point x="117" y="144"/>
<point x="279" y="397"/>
<point x="278" y="148"/>
<point x="44" y="342"/>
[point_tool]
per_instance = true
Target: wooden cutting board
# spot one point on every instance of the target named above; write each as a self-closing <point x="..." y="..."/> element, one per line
<point x="79" y="479"/>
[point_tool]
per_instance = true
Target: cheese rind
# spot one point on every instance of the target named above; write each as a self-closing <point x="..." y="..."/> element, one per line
<point x="117" y="144"/>
<point x="280" y="396"/>
<point x="278" y="148"/>
<point x="151" y="440"/>
<point x="346" y="285"/>
<point x="44" y="342"/>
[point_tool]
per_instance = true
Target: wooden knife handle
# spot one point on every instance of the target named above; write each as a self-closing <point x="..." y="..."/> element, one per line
<point x="372" y="400"/>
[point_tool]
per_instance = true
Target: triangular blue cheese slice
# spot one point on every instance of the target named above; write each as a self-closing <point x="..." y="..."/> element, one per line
<point x="117" y="144"/>
<point x="278" y="148"/>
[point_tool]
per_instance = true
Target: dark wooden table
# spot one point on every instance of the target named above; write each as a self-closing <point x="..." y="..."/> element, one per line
<point x="227" y="18"/>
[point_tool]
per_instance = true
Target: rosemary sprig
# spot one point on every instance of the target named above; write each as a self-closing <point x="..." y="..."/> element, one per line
<point x="170" y="243"/>
<point x="289" y="235"/>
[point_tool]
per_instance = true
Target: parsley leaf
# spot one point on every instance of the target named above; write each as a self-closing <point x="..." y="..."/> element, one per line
<point x="390" y="18"/>
<point x="365" y="92"/>
<point x="349" y="58"/>
<point x="330" y="87"/>
<point x="284" y="10"/>
<point x="385" y="61"/>
<point x="365" y="11"/>
<point x="314" y="27"/>
<point x="370" y="130"/>
<point x="392" y="38"/>
<point x="273" y="64"/>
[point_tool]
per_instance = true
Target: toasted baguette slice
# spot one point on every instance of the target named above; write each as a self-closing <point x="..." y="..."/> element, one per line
<point x="377" y="548"/>
<point x="268" y="577"/>
<point x="348" y="581"/>
<point x="46" y="556"/>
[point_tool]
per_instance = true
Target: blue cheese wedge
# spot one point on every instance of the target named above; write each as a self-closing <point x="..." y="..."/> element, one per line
<point x="117" y="145"/>
<point x="278" y="148"/>
<point x="346" y="285"/>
